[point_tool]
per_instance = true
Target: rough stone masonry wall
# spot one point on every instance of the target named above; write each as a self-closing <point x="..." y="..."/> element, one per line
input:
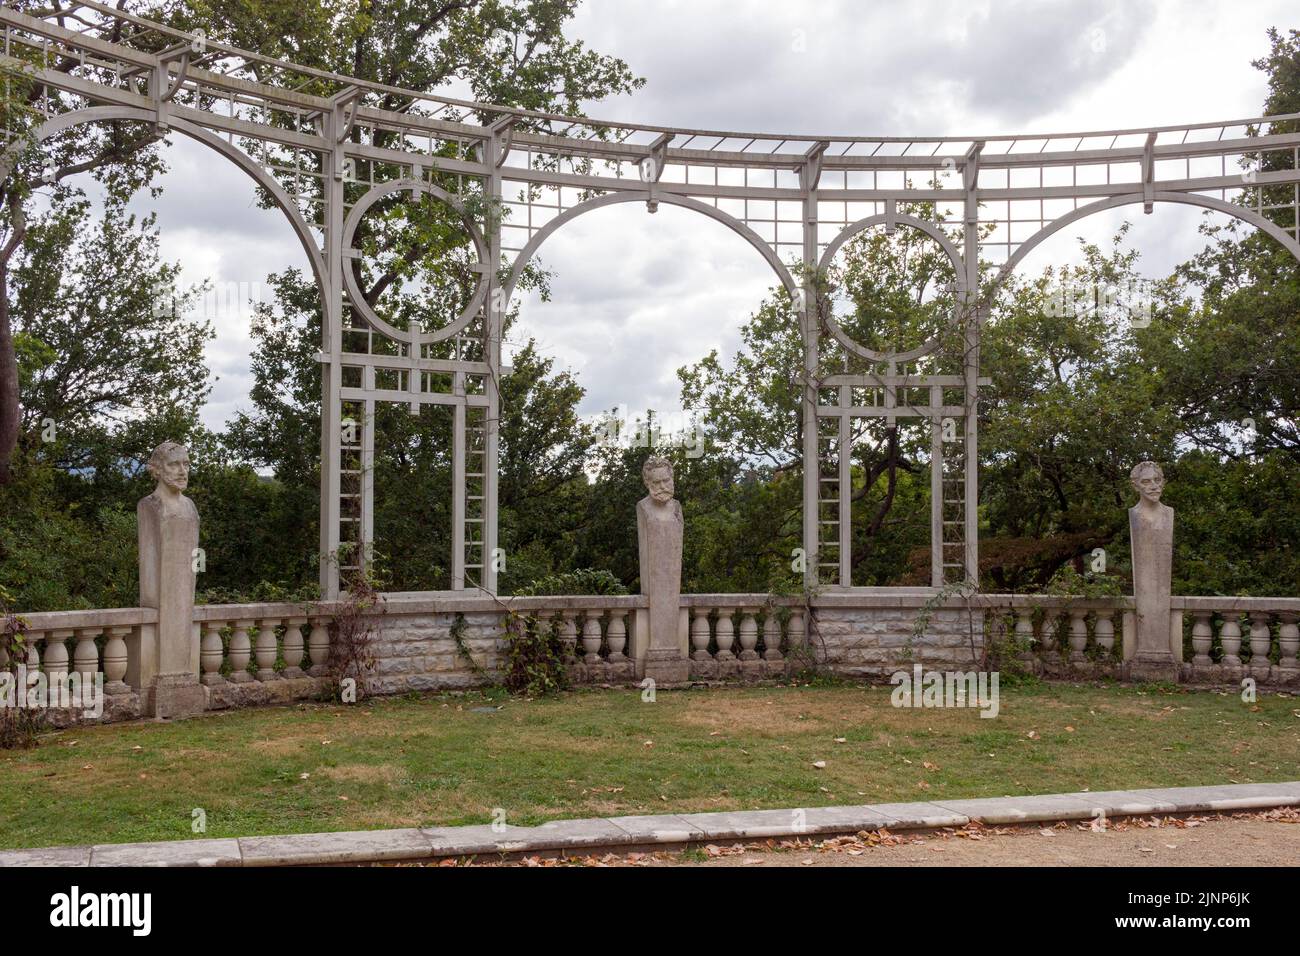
<point x="875" y="642"/>
<point x="417" y="652"/>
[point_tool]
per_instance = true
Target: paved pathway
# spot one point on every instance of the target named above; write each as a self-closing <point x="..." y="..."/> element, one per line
<point x="1270" y="838"/>
<point x="620" y="834"/>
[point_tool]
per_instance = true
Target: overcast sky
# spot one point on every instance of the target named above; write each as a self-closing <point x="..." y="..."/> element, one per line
<point x="636" y="296"/>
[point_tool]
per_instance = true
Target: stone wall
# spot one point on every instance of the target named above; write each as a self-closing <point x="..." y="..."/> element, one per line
<point x="874" y="642"/>
<point x="417" y="652"/>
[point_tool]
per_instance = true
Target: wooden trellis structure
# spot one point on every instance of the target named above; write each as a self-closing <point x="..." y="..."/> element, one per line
<point x="325" y="148"/>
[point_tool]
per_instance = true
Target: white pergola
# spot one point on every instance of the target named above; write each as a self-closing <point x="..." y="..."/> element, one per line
<point x="326" y="148"/>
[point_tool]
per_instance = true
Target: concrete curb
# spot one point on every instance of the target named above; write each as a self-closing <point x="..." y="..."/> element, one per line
<point x="660" y="830"/>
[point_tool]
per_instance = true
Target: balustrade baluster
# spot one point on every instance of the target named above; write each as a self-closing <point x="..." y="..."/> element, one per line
<point x="116" y="661"/>
<point x="726" y="635"/>
<point x="1104" y="632"/>
<point x="617" y="636"/>
<point x="1288" y="641"/>
<point x="293" y="648"/>
<point x="1078" y="634"/>
<point x="85" y="656"/>
<point x="1202" y="638"/>
<point x="1230" y="639"/>
<point x="1024" y="633"/>
<point x="1261" y="642"/>
<point x="318" y="646"/>
<point x="32" y="639"/>
<point x="569" y="633"/>
<point x="748" y="634"/>
<point x="266" y="649"/>
<point x="240" y="652"/>
<point x="211" y="653"/>
<point x="700" y="634"/>
<point x="772" y="637"/>
<point x="591" y="637"/>
<point x="796" y="635"/>
<point x="55" y="658"/>
<point x="1047" y="642"/>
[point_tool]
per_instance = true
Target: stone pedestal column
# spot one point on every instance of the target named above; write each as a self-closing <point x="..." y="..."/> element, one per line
<point x="168" y="539"/>
<point x="659" y="526"/>
<point x="1151" y="528"/>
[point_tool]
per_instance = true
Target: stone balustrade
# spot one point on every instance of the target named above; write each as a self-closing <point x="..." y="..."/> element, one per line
<point x="98" y="645"/>
<point x="261" y="653"/>
<point x="1212" y="639"/>
<point x="250" y="654"/>
<point x="1062" y="635"/>
<point x="601" y="641"/>
<point x="1235" y="638"/>
<point x="748" y="636"/>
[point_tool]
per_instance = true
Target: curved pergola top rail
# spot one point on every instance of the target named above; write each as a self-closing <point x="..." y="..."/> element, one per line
<point x="327" y="148"/>
<point x="243" y="69"/>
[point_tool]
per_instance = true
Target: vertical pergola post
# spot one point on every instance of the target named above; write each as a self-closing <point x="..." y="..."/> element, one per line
<point x="331" y="351"/>
<point x="809" y="326"/>
<point x="936" y="486"/>
<point x="494" y="331"/>
<point x="971" y="314"/>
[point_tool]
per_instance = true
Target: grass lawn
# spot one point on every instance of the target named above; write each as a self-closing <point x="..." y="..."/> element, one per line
<point x="442" y="760"/>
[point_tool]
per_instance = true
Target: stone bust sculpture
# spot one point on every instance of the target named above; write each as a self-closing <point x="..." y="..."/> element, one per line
<point x="1151" y="529"/>
<point x="169" y="538"/>
<point x="659" y="527"/>
<point x="1149" y="480"/>
<point x="657" y="473"/>
<point x="170" y="466"/>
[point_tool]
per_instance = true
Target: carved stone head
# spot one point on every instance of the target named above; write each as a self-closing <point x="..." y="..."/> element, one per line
<point x="657" y="473"/>
<point x="170" y="466"/>
<point x="1149" y="481"/>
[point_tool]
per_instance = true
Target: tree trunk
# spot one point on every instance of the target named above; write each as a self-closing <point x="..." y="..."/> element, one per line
<point x="9" y="409"/>
<point x="8" y="383"/>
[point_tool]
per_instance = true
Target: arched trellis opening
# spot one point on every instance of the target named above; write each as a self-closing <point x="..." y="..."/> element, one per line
<point x="884" y="390"/>
<point x="215" y="302"/>
<point x="749" y="235"/>
<point x="1129" y="356"/>
<point x="104" y="114"/>
<point x="1234" y="210"/>
<point x="633" y="298"/>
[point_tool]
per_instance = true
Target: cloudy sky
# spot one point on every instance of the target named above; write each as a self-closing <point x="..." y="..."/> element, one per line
<point x="637" y="296"/>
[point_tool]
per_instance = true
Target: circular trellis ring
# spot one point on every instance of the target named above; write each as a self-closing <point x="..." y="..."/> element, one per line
<point x="931" y="230"/>
<point x="359" y="303"/>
